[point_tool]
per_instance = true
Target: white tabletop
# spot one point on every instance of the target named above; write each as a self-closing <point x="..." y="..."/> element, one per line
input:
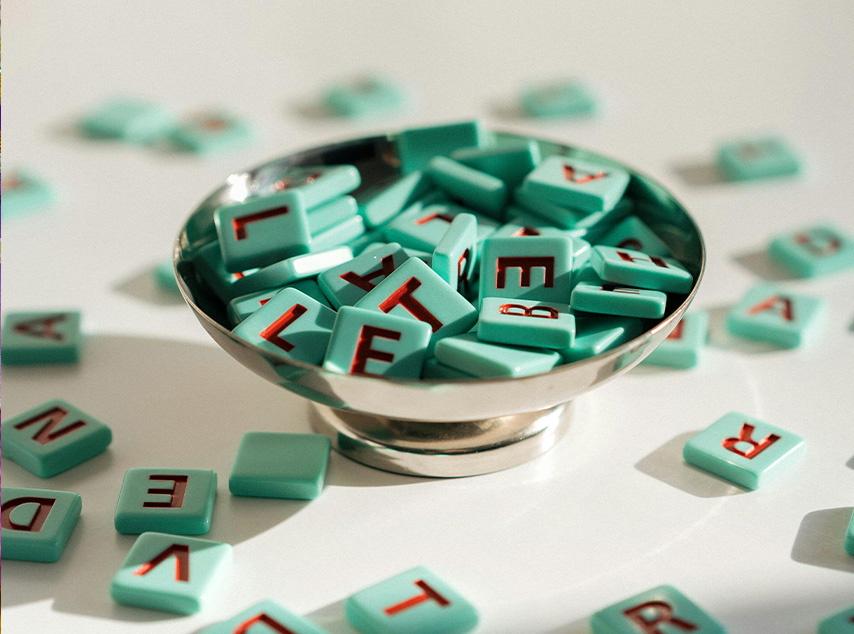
<point x="611" y="511"/>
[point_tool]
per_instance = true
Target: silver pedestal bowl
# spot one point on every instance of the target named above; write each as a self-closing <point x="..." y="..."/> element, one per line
<point x="435" y="428"/>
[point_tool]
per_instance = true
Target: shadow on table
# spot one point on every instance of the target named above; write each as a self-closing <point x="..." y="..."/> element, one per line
<point x="667" y="465"/>
<point x="763" y="266"/>
<point x="169" y="404"/>
<point x="699" y="173"/>
<point x="821" y="540"/>
<point x="142" y="285"/>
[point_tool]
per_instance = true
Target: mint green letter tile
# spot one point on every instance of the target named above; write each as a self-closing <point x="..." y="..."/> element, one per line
<point x="817" y="250"/>
<point x="560" y="99"/>
<point x="433" y="369"/>
<point x="337" y="235"/>
<point x="595" y="334"/>
<point x="367" y="96"/>
<point x="261" y="231"/>
<point x="314" y="185"/>
<point x="176" y="501"/>
<point x="479" y="358"/>
<point x="849" y="537"/>
<point x="839" y="623"/>
<point x="769" y="313"/>
<point x="291" y="270"/>
<point x="681" y="348"/>
<point x="625" y="266"/>
<point x="416" y="292"/>
<point x="662" y="610"/>
<point x="524" y="322"/>
<point x="212" y="132"/>
<point x="536" y="268"/>
<point x="43" y="337"/>
<point x="280" y="465"/>
<point x="171" y="573"/>
<point x="53" y="437"/>
<point x="331" y="214"/>
<point x="417" y="146"/>
<point x="632" y="233"/>
<point x="382" y="203"/>
<point x="581" y="185"/>
<point x="744" y="450"/>
<point x="423" y="226"/>
<point x="211" y="268"/>
<point x="476" y="189"/>
<point x="291" y="325"/>
<point x="347" y="283"/>
<point x="764" y="157"/>
<point x="23" y="192"/>
<point x="129" y="120"/>
<point x="372" y="343"/>
<point x="511" y="163"/>
<point x="609" y="299"/>
<point x="453" y="258"/>
<point x="241" y="307"/>
<point x="36" y="523"/>
<point x="414" y="602"/>
<point x="266" y="617"/>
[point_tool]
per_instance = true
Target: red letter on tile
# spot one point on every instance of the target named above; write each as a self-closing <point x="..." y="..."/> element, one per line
<point x="428" y="594"/>
<point x="365" y="352"/>
<point x="525" y="311"/>
<point x="42" y="328"/>
<point x="403" y="296"/>
<point x="526" y="264"/>
<point x="269" y="621"/>
<point x="676" y="333"/>
<point x="771" y="303"/>
<point x="569" y="174"/>
<point x="827" y="245"/>
<point x="366" y="282"/>
<point x="663" y="616"/>
<point x="176" y="493"/>
<point x="271" y="333"/>
<point x="52" y="418"/>
<point x="240" y="222"/>
<point x="39" y="518"/>
<point x="655" y="260"/>
<point x="745" y="436"/>
<point x="181" y="552"/>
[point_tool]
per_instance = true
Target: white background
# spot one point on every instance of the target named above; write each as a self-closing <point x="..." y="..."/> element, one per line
<point x="612" y="510"/>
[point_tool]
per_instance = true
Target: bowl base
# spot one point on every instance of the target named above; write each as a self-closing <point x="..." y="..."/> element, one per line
<point x="442" y="450"/>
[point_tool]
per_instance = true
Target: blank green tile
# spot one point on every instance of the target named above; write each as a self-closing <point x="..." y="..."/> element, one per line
<point x="849" y="537"/>
<point x="557" y="99"/>
<point x="595" y="334"/>
<point x="479" y="358"/>
<point x="131" y="120"/>
<point x="37" y="523"/>
<point x="53" y="437"/>
<point x="286" y="272"/>
<point x="179" y="501"/>
<point x="478" y="190"/>
<point x="418" y="145"/>
<point x="41" y="337"/>
<point x="372" y="95"/>
<point x="164" y="277"/>
<point x="171" y="573"/>
<point x="510" y="162"/>
<point x="280" y="465"/>
<point x="381" y="203"/>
